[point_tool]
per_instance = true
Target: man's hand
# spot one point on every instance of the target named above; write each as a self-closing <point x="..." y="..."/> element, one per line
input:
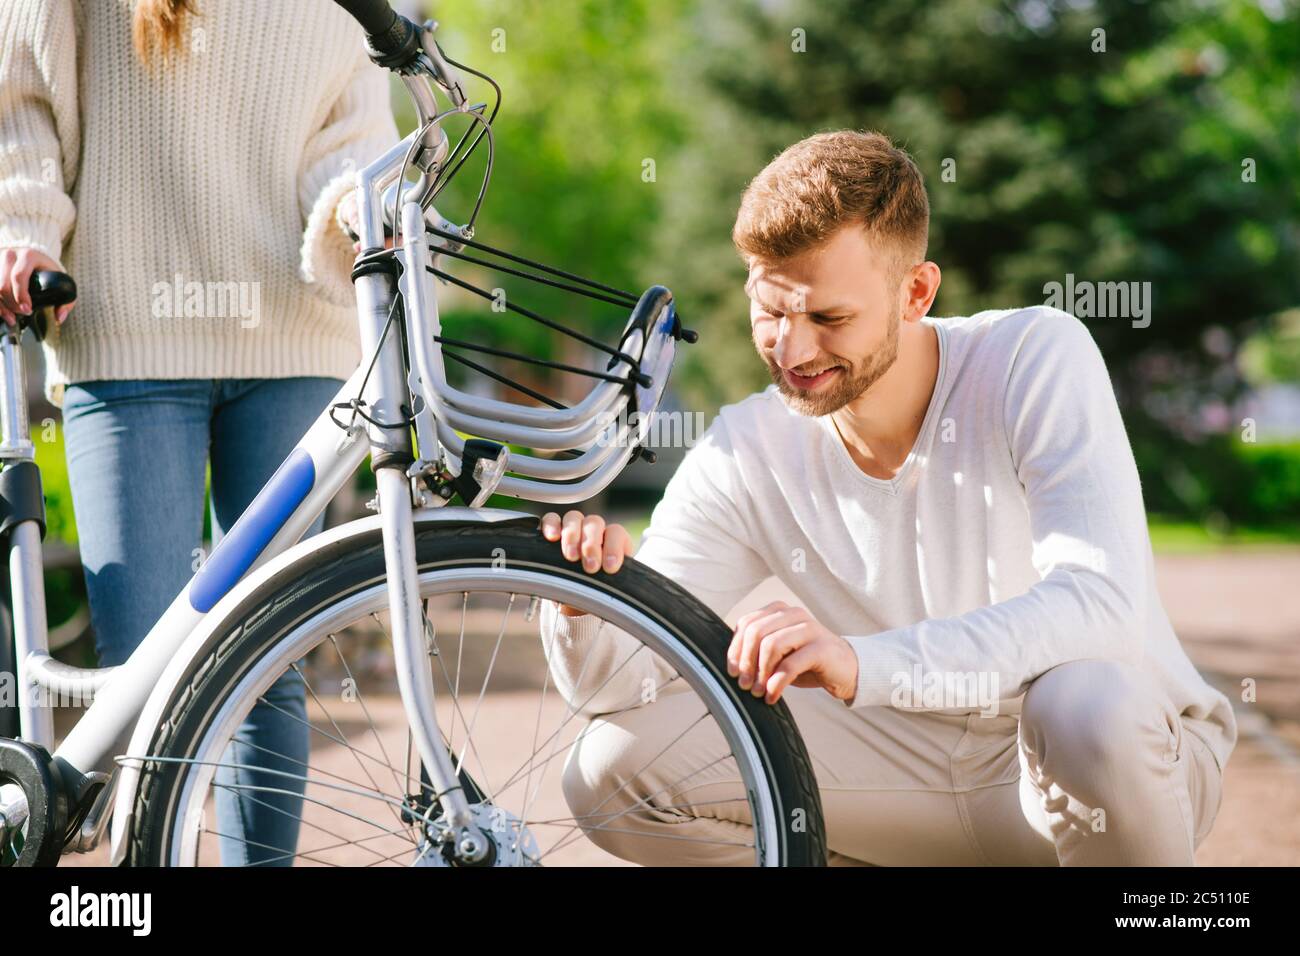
<point x="588" y="538"/>
<point x="779" y="645"/>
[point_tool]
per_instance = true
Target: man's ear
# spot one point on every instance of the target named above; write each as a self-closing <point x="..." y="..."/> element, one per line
<point x="920" y="286"/>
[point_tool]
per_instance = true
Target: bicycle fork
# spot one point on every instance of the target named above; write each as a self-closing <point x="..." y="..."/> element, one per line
<point x="411" y="657"/>
<point x="390" y="455"/>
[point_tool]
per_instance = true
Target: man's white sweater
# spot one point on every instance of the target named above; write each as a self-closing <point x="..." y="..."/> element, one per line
<point x="1012" y="540"/>
<point x="194" y="204"/>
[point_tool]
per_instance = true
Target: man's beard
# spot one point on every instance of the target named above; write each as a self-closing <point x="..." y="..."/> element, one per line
<point x="850" y="382"/>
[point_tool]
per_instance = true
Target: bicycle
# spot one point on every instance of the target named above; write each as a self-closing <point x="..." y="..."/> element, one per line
<point x="264" y="602"/>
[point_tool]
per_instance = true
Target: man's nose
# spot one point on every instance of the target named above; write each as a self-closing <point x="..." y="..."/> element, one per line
<point x="795" y="344"/>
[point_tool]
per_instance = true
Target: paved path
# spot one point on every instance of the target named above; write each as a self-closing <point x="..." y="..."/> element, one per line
<point x="1238" y="614"/>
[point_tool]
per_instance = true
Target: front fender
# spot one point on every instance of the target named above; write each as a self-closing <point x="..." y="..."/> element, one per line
<point x="287" y="566"/>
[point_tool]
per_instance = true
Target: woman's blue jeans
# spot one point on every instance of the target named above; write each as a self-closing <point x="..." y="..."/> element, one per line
<point x="137" y="453"/>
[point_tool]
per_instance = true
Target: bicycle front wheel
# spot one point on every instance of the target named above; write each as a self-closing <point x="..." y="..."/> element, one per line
<point x="352" y="791"/>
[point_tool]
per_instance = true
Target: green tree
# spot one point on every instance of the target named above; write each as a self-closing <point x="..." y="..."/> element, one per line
<point x="1168" y="156"/>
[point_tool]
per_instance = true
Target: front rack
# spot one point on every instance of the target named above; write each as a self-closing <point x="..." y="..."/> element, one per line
<point x="593" y="439"/>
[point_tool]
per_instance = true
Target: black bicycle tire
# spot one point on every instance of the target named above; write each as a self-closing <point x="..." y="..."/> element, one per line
<point x="266" y="615"/>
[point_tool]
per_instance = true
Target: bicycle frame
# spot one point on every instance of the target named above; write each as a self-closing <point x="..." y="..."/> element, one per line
<point x="319" y="465"/>
<point x="129" y="700"/>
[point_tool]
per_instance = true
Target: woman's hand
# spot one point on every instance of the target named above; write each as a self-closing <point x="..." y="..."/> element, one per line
<point x="349" y="217"/>
<point x="16" y="268"/>
<point x="589" y="539"/>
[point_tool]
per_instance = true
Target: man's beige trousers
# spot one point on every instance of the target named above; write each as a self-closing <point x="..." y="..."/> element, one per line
<point x="1096" y="769"/>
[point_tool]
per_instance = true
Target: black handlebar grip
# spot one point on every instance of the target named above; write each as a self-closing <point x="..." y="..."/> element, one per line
<point x="375" y="16"/>
<point x="393" y="41"/>
<point x="48" y="288"/>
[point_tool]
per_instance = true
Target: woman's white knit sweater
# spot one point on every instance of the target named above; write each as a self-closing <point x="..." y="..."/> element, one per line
<point x="194" y="203"/>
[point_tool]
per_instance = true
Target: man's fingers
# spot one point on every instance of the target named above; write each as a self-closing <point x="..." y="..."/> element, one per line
<point x="746" y="661"/>
<point x="774" y="646"/>
<point x="792" y="667"/>
<point x="588" y="539"/>
<point x="742" y="659"/>
<point x="7" y="301"/>
<point x="22" y="280"/>
<point x="593" y="539"/>
<point x="618" y="544"/>
<point x="738" y="633"/>
<point x="761" y="632"/>
<point x="571" y="535"/>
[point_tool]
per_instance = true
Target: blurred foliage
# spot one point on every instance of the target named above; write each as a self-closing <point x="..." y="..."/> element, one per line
<point x="1273" y="354"/>
<point x="1118" y="165"/>
<point x="583" y="107"/>
<point x="1169" y="157"/>
<point x="1219" y="479"/>
<point x="60" y="523"/>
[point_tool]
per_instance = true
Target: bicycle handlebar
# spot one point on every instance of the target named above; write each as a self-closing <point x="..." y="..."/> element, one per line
<point x="393" y="40"/>
<point x="375" y="16"/>
<point x="49" y="288"/>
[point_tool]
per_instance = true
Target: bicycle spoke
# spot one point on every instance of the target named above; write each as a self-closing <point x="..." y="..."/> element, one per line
<point x="537" y="729"/>
<point x="455" y="703"/>
<point x="356" y="685"/>
<point x="642" y="801"/>
<point x="283" y="855"/>
<point x="478" y="704"/>
<point x="643" y="767"/>
<point x="340" y="740"/>
<point x="244" y="790"/>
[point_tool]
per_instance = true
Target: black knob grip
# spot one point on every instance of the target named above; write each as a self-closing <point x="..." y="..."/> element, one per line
<point x="48" y="288"/>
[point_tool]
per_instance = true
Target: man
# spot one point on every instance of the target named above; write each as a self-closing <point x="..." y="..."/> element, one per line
<point x="948" y="498"/>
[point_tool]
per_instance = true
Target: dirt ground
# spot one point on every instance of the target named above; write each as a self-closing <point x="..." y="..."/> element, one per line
<point x="1237" y="613"/>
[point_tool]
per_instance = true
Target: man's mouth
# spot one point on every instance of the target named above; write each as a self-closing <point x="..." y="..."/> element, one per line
<point x="810" y="382"/>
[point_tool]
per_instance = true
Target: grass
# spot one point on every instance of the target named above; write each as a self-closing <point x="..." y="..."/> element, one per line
<point x="47" y="439"/>
<point x="1173" y="536"/>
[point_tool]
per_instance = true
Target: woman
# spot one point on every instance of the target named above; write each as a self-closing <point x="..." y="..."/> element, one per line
<point x="202" y="152"/>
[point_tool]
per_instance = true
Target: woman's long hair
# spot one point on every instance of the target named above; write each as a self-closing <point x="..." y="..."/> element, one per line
<point x="158" y="27"/>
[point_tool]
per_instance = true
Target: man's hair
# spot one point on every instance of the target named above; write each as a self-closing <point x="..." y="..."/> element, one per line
<point x="827" y="181"/>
